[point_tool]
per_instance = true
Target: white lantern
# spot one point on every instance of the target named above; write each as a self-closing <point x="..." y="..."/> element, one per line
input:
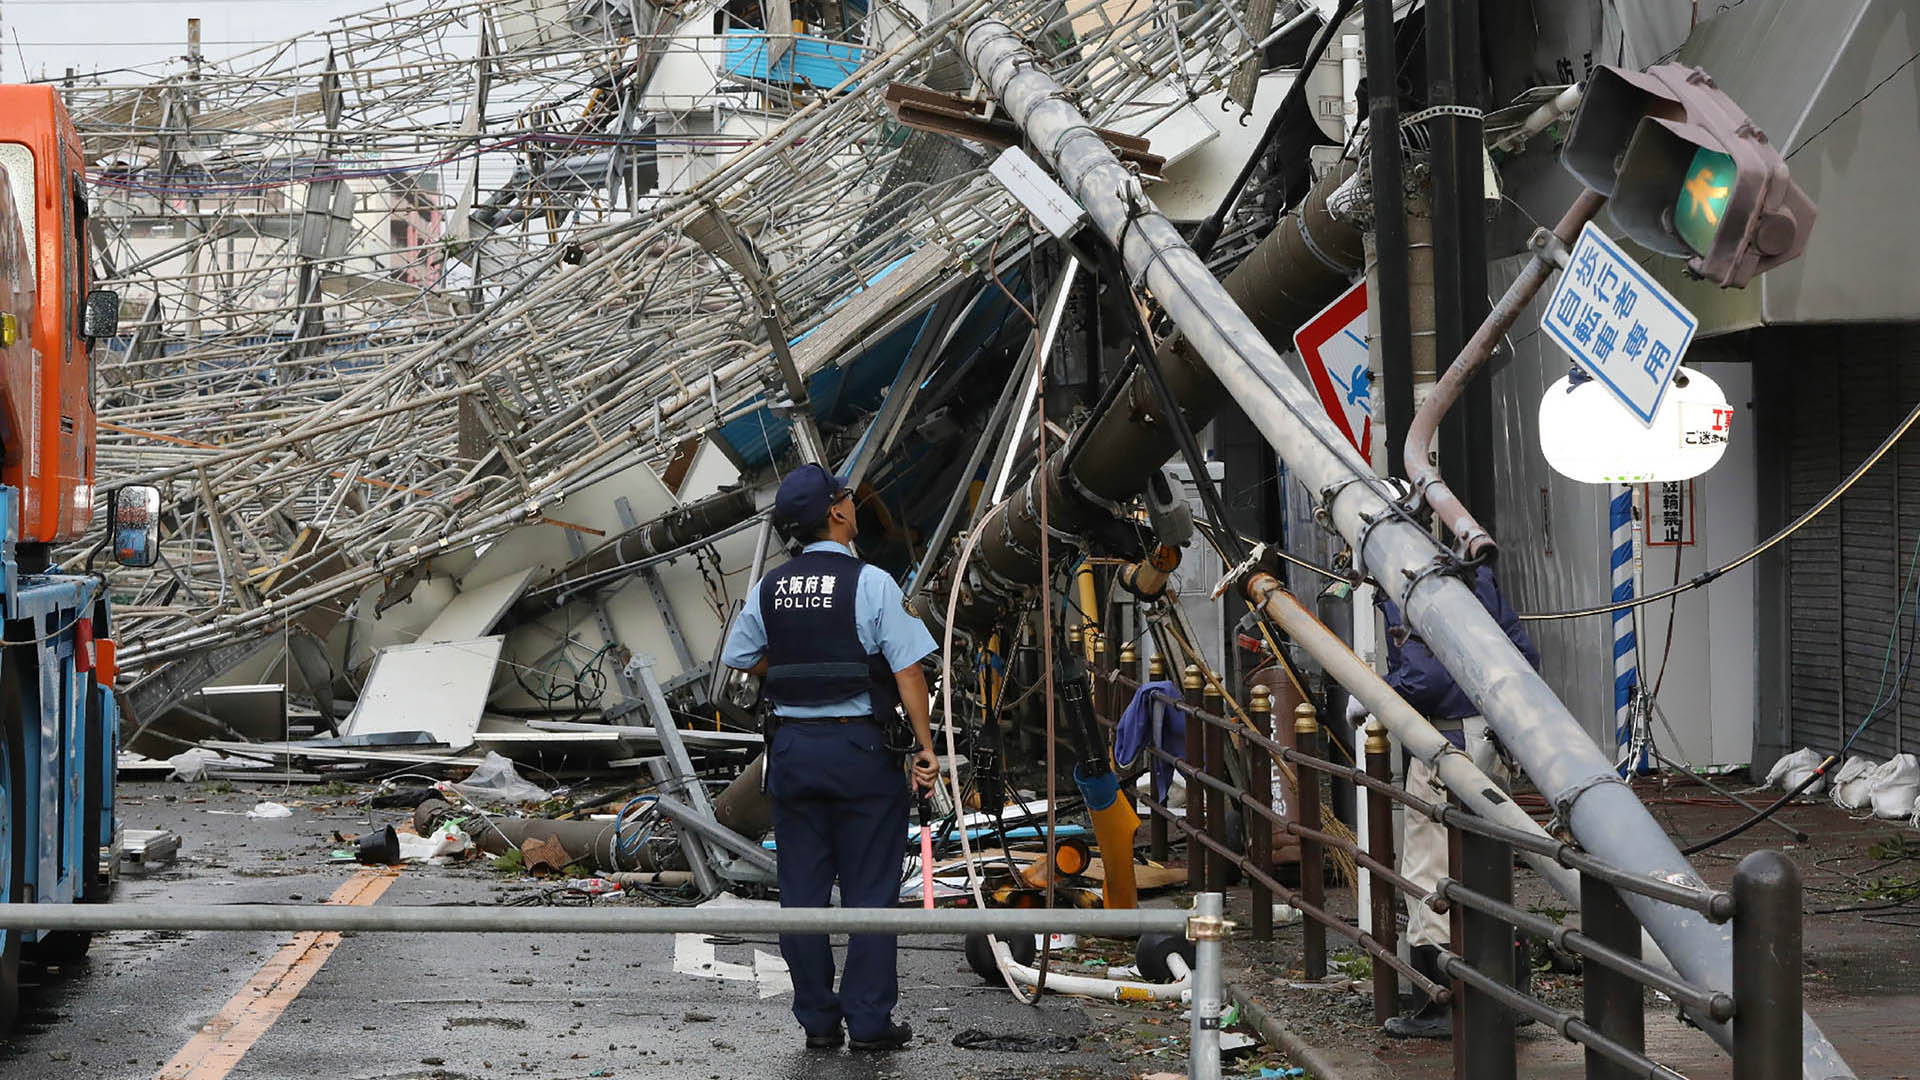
<point x="1587" y="435"/>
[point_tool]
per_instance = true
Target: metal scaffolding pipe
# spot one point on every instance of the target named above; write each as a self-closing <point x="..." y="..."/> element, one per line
<point x="1294" y="272"/>
<point x="594" y="920"/>
<point x="671" y="531"/>
<point x="1536" y="727"/>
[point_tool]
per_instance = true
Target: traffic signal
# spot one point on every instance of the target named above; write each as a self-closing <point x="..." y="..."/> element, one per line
<point x="1687" y="173"/>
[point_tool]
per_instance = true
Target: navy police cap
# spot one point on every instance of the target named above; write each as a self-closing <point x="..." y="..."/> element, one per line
<point x="806" y="495"/>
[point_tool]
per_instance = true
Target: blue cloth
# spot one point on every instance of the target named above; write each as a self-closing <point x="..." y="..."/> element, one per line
<point x="805" y="496"/>
<point x="839" y="813"/>
<point x="1150" y="721"/>
<point x="880" y="618"/>
<point x="1418" y="676"/>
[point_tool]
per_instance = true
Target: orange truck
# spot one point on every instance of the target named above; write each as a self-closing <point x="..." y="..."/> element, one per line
<point x="59" y="723"/>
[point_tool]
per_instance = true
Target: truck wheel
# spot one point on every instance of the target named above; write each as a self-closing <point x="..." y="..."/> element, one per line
<point x="13" y="853"/>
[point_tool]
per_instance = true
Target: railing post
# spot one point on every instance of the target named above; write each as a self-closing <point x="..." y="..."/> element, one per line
<point x="1379" y="840"/>
<point x="1259" y="829"/>
<point x="1313" y="877"/>
<point x="1215" y="746"/>
<point x="1199" y="876"/>
<point x="1766" y="968"/>
<point x="1483" y="1030"/>
<point x="1207" y="929"/>
<point x="1614" y="1002"/>
<point x="1156" y="823"/>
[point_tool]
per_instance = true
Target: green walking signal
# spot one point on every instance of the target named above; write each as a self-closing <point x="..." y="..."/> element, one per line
<point x="1687" y="173"/>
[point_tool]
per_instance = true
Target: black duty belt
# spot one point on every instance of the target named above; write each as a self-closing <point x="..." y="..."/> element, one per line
<point x="866" y="719"/>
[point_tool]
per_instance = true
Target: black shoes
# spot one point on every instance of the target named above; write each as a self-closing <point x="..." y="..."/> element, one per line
<point x="1429" y="1022"/>
<point x="830" y="1041"/>
<point x="894" y="1038"/>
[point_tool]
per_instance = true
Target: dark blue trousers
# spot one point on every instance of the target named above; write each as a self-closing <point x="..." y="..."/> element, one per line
<point x="839" y="813"/>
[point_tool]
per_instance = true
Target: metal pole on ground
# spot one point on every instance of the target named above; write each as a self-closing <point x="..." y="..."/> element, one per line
<point x="1208" y="928"/>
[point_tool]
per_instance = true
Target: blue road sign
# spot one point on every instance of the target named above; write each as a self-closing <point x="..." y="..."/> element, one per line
<point x="1618" y="323"/>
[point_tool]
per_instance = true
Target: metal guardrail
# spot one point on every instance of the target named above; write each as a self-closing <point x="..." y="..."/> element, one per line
<point x="1203" y="925"/>
<point x="1764" y="1004"/>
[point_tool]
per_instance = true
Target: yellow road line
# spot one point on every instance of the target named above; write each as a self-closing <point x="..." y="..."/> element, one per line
<point x="225" y="1039"/>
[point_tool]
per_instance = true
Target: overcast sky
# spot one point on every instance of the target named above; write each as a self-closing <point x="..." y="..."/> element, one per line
<point x="45" y="37"/>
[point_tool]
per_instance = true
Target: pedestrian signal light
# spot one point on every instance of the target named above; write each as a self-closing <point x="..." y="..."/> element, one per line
<point x="1687" y="173"/>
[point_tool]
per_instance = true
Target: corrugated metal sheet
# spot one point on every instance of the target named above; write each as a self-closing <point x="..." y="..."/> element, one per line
<point x="1847" y="567"/>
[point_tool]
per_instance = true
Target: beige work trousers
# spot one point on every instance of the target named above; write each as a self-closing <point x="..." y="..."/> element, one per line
<point x="1423" y="849"/>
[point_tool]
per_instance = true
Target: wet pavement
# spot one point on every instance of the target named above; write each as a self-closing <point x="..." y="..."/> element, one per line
<point x="451" y="1007"/>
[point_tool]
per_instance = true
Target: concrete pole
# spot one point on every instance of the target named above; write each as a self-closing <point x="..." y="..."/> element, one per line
<point x="1550" y="743"/>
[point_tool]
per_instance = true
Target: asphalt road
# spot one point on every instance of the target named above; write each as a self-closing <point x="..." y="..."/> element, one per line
<point x="450" y="1007"/>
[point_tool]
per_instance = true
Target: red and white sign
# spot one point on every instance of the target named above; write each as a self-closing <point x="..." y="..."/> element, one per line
<point x="1333" y="347"/>
<point x="1670" y="514"/>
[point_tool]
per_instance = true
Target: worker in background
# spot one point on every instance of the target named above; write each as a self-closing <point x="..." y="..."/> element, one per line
<point x="840" y="655"/>
<point x="1419" y="677"/>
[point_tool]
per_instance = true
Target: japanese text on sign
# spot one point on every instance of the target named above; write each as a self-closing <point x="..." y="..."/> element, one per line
<point x="1618" y="323"/>
<point x="1670" y="514"/>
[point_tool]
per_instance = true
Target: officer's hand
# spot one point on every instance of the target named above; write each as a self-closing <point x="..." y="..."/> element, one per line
<point x="924" y="769"/>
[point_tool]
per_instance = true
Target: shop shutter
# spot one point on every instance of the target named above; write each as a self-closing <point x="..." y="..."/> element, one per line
<point x="1847" y="568"/>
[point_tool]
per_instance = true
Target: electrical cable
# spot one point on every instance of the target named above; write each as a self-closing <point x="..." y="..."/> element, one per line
<point x="1707" y="577"/>
<point x="1000" y="953"/>
<point x="1729" y="833"/>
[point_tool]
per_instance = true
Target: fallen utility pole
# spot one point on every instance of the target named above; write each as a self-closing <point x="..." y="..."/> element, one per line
<point x="1388" y="542"/>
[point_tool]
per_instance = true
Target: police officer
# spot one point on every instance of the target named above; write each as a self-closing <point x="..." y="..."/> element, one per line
<point x="839" y="653"/>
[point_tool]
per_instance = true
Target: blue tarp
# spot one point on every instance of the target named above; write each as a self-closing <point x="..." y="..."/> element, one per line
<point x="812" y="60"/>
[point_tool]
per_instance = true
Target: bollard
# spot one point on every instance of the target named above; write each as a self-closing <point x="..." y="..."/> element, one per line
<point x="1156" y="823"/>
<point x="1614" y="1004"/>
<point x="1313" y="874"/>
<point x="1198" y="863"/>
<point x="1483" y="1029"/>
<point x="1259" y="830"/>
<point x="1766" y="968"/>
<point x="1207" y="929"/>
<point x="1214" y="743"/>
<point x="1379" y="840"/>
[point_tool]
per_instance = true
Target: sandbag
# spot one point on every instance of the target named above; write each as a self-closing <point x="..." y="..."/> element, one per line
<point x="1791" y="770"/>
<point x="1853" y="784"/>
<point x="1897" y="787"/>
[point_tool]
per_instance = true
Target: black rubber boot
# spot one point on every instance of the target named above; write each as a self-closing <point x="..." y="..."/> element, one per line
<point x="1431" y="1020"/>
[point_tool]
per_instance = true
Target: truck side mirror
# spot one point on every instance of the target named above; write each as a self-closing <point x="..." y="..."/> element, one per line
<point x="101" y="318"/>
<point x="133" y="524"/>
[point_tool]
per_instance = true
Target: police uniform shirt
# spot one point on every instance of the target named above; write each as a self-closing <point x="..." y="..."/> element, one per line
<point x="880" y="617"/>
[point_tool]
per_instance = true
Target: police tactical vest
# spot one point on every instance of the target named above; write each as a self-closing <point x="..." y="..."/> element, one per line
<point x="814" y="653"/>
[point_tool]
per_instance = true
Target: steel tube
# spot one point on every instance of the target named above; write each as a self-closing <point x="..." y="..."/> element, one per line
<point x="1618" y="959"/>
<point x="1568" y="1025"/>
<point x="1563" y="761"/>
<point x="1208" y="986"/>
<point x="1422" y="472"/>
<point x="1314" y="914"/>
<point x="596" y="920"/>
